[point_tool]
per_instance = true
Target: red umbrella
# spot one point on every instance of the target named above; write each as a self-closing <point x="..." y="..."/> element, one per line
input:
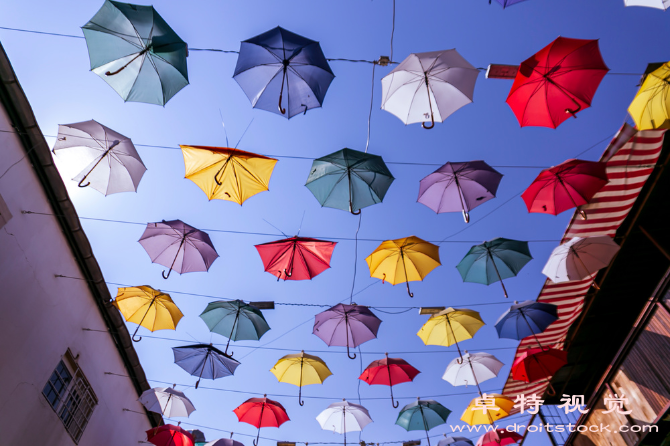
<point x="261" y="412"/>
<point x="170" y="435"/>
<point x="538" y="363"/>
<point x="557" y="82"/>
<point x="296" y="258"/>
<point x="389" y="372"/>
<point x="570" y="184"/>
<point x="499" y="437"/>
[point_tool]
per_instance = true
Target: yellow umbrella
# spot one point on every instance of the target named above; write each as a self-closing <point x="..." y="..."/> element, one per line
<point x="301" y="370"/>
<point x="147" y="307"/>
<point x="450" y="326"/>
<point x="487" y="409"/>
<point x="651" y="107"/>
<point x="403" y="260"/>
<point x="227" y="174"/>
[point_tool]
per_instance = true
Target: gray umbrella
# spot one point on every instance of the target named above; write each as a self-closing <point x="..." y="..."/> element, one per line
<point x="179" y="246"/>
<point x="106" y="160"/>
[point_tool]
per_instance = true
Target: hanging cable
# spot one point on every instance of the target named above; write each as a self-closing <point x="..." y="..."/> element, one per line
<point x="372" y="97"/>
<point x="353" y="280"/>
<point x="392" y="30"/>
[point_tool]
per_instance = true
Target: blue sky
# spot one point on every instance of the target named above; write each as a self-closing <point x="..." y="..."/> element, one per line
<point x="54" y="72"/>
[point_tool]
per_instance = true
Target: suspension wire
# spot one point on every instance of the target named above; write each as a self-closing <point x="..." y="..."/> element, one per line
<point x="372" y="98"/>
<point x="392" y="30"/>
<point x="353" y="280"/>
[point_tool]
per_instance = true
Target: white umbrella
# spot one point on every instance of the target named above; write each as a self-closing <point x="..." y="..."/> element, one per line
<point x="429" y="87"/>
<point x="167" y="401"/>
<point x="475" y="368"/>
<point x="344" y="417"/>
<point x="579" y="258"/>
<point x="106" y="160"/>
<point x="659" y="4"/>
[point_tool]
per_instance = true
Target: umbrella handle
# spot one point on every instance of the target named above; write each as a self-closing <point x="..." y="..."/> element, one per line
<point x="255" y="442"/>
<point x="286" y="273"/>
<point x="133" y="337"/>
<point x="573" y="112"/>
<point x="281" y="110"/>
<point x="394" y="403"/>
<point x="383" y="278"/>
<point x="356" y="213"/>
<point x="550" y="390"/>
<point x="432" y="124"/>
<point x="408" y="291"/>
<point x="300" y="401"/>
<point x="216" y="180"/>
<point x="83" y="185"/>
<point x="168" y="274"/>
<point x="466" y="216"/>
<point x="582" y="214"/>
<point x="349" y="355"/>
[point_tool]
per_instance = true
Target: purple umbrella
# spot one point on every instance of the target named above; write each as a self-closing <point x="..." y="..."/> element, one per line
<point x="458" y="187"/>
<point x="179" y="246"/>
<point x="346" y="325"/>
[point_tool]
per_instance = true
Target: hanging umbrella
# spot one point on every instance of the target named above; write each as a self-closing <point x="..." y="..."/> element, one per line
<point x="455" y="441"/>
<point x="459" y="187"/>
<point x="557" y="82"/>
<point x="535" y="364"/>
<point x="346" y="325"/>
<point x="525" y="319"/>
<point x="580" y="257"/>
<point x="494" y="261"/>
<point x="146" y="307"/>
<point x="450" y="326"/>
<point x="349" y="180"/>
<point x="204" y="361"/>
<point x="499" y="437"/>
<point x="650" y="108"/>
<point x="170" y="435"/>
<point x="506" y="3"/>
<point x="235" y="320"/>
<point x="106" y="160"/>
<point x="569" y="185"/>
<point x="472" y="368"/>
<point x="429" y="86"/>
<point x="136" y="52"/>
<point x="183" y="248"/>
<point x="297" y="258"/>
<point x="227" y="174"/>
<point x="277" y="62"/>
<point x="658" y="4"/>
<point x="389" y="372"/>
<point x="301" y="370"/>
<point x="403" y="260"/>
<point x="422" y="415"/>
<point x="224" y="442"/>
<point x="167" y="401"/>
<point x="487" y="409"/>
<point x="344" y="417"/>
<point x="261" y="412"/>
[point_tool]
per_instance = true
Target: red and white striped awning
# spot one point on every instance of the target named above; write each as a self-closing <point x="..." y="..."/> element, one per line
<point x="628" y="168"/>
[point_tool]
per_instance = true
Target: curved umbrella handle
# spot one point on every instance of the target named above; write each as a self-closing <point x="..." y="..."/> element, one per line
<point x="459" y="360"/>
<point x="432" y="124"/>
<point x="573" y="112"/>
<point x="83" y="185"/>
<point x="582" y="214"/>
<point x="281" y="110"/>
<point x="466" y="216"/>
<point x="550" y="390"/>
<point x="216" y="180"/>
<point x="383" y="278"/>
<point x="356" y="213"/>
<point x="133" y="337"/>
<point x="394" y="403"/>
<point x="255" y="442"/>
<point x="168" y="274"/>
<point x="408" y="291"/>
<point x="278" y="275"/>
<point x="197" y="383"/>
<point x="286" y="273"/>
<point x="349" y="355"/>
<point x="300" y="401"/>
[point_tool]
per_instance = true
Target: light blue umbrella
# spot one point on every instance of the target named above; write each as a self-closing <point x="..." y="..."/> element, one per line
<point x="235" y="320"/>
<point x="422" y="415"/>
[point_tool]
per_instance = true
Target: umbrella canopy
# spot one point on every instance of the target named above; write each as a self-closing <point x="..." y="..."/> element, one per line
<point x="283" y="72"/>
<point x="499" y="437"/>
<point x="658" y="4"/>
<point x="580" y="257"/>
<point x="455" y="441"/>
<point x="650" y="108"/>
<point x="349" y="180"/>
<point x="296" y="258"/>
<point x="525" y="319"/>
<point x="261" y="412"/>
<point x="346" y="325"/>
<point x="429" y="86"/>
<point x="494" y="261"/>
<point x="389" y="372"/>
<point x="106" y="160"/>
<point x="224" y="442"/>
<point x="506" y="3"/>
<point x="459" y="187"/>
<point x="146" y="307"/>
<point x="487" y="409"/>
<point x="204" y="361"/>
<point x="170" y="435"/>
<point x="472" y="368"/>
<point x="450" y="326"/>
<point x="179" y="246"/>
<point x="300" y="370"/>
<point x="403" y="260"/>
<point x="136" y="52"/>
<point x="570" y="184"/>
<point x="557" y="82"/>
<point x="227" y="174"/>
<point x="167" y="401"/>
<point x="535" y="364"/>
<point x="235" y="320"/>
<point x="422" y="415"/>
<point x="344" y="417"/>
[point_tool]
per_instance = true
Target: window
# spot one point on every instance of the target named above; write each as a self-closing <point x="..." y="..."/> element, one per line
<point x="70" y="395"/>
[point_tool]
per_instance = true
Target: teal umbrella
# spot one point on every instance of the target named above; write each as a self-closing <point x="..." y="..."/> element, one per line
<point x="422" y="415"/>
<point x="136" y="52"/>
<point x="494" y="261"/>
<point x="235" y="320"/>
<point x="349" y="180"/>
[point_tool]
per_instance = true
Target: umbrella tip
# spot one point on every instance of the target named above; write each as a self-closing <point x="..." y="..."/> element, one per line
<point x="516" y="302"/>
<point x="174" y="385"/>
<point x="265" y="395"/>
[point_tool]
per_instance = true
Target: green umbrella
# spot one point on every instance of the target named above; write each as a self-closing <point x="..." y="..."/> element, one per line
<point x="422" y="415"/>
<point x="349" y="180"/>
<point x="235" y="320"/>
<point x="136" y="52"/>
<point x="494" y="261"/>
